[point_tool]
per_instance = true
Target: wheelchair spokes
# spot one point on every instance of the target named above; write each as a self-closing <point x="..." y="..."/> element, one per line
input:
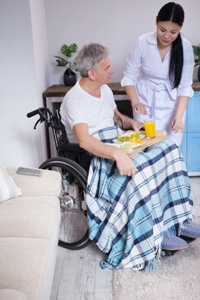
<point x="73" y="225"/>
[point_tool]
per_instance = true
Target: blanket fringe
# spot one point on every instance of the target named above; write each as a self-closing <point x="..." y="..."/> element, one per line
<point x="148" y="266"/>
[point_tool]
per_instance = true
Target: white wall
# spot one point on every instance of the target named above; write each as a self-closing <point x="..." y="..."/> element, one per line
<point x="23" y="78"/>
<point x="114" y="23"/>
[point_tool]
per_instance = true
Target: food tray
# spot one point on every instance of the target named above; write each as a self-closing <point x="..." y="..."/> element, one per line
<point x="160" y="136"/>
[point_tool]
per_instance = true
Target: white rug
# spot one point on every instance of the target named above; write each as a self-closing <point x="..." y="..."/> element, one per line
<point x="176" y="277"/>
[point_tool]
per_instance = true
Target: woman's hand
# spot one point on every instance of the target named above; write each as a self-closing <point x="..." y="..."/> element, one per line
<point x="177" y="125"/>
<point x="140" y="108"/>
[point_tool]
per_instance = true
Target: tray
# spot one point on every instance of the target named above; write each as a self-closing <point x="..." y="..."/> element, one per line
<point x="160" y="136"/>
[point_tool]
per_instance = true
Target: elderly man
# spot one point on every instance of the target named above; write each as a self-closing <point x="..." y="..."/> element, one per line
<point x="136" y="205"/>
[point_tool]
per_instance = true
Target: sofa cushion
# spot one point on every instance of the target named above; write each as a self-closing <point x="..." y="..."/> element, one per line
<point x="12" y="295"/>
<point x="23" y="266"/>
<point x="8" y="188"/>
<point x="29" y="216"/>
<point x="49" y="183"/>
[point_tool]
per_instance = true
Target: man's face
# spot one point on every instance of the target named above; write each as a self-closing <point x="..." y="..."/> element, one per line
<point x="104" y="71"/>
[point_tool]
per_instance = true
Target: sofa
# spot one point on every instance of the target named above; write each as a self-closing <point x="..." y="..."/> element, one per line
<point x="29" y="226"/>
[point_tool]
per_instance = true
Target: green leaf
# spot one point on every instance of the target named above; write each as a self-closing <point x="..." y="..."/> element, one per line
<point x="197" y="61"/>
<point x="73" y="48"/>
<point x="67" y="51"/>
<point x="196" y="50"/>
<point x="61" y="62"/>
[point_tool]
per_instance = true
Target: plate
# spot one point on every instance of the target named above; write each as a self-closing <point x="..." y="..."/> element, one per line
<point x="112" y="144"/>
<point x="118" y="142"/>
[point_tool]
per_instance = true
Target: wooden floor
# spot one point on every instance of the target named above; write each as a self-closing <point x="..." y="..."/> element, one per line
<point x="78" y="275"/>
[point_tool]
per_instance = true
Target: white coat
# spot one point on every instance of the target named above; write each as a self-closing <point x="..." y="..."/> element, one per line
<point x="150" y="75"/>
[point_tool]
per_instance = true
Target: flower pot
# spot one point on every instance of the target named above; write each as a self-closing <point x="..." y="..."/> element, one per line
<point x="69" y="79"/>
<point x="198" y="73"/>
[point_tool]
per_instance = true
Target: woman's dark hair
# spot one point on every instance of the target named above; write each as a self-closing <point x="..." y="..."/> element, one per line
<point x="174" y="12"/>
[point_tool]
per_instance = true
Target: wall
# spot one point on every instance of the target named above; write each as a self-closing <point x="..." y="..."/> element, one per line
<point x="114" y="23"/>
<point x="23" y="78"/>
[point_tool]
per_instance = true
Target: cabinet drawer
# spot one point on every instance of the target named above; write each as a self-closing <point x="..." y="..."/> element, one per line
<point x="193" y="114"/>
<point x="193" y="150"/>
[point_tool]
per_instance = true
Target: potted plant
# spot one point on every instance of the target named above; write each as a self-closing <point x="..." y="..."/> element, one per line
<point x="196" y="50"/>
<point x="69" y="77"/>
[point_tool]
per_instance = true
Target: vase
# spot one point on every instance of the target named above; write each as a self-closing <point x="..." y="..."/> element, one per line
<point x="69" y="79"/>
<point x="198" y="73"/>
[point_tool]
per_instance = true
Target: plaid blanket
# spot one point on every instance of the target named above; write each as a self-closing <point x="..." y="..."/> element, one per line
<point x="126" y="216"/>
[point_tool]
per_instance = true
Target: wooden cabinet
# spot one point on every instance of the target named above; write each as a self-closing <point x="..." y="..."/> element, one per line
<point x="191" y="139"/>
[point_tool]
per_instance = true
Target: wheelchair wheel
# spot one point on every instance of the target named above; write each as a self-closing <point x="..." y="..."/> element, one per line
<point x="74" y="233"/>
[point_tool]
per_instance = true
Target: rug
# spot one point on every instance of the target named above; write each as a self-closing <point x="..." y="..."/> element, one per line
<point x="176" y="277"/>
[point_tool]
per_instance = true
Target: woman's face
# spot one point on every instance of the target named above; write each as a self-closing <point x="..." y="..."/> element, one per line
<point x="167" y="32"/>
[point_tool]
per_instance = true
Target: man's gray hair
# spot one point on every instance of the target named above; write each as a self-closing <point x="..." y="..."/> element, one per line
<point x="89" y="57"/>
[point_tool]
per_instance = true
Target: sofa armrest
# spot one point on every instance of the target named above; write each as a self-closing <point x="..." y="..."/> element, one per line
<point x="48" y="184"/>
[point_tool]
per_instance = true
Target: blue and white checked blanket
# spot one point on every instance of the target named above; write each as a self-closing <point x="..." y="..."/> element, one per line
<point x="127" y="217"/>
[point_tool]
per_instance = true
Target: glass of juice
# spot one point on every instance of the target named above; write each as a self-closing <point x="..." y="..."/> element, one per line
<point x="150" y="129"/>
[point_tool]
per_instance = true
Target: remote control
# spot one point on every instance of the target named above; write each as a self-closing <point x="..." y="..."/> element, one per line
<point x="29" y="171"/>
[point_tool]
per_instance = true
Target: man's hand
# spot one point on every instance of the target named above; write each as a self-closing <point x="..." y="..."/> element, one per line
<point x="125" y="165"/>
<point x="136" y="125"/>
<point x="125" y="122"/>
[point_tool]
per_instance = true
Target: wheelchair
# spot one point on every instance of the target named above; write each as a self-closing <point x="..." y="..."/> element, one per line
<point x="73" y="164"/>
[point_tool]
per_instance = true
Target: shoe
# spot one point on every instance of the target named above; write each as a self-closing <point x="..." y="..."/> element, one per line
<point x="190" y="229"/>
<point x="173" y="242"/>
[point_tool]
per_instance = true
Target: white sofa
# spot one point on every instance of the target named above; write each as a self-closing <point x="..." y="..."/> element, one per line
<point x="29" y="226"/>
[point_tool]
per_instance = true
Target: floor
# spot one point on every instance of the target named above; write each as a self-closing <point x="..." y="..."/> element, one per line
<point x="78" y="275"/>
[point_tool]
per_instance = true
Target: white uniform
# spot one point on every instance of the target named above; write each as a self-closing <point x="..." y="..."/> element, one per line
<point x="80" y="107"/>
<point x="150" y="75"/>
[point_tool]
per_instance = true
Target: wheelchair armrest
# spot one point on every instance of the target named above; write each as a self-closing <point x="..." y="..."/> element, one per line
<point x="73" y="147"/>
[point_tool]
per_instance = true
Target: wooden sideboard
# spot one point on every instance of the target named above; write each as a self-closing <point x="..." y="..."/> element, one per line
<point x="60" y="90"/>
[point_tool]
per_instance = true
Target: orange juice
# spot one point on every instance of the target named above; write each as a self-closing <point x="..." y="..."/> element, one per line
<point x="150" y="129"/>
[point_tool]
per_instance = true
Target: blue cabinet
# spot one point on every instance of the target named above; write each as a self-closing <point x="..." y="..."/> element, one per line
<point x="191" y="138"/>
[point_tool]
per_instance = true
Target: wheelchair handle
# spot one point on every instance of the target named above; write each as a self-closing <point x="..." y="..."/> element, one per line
<point x="36" y="112"/>
<point x="44" y="113"/>
<point x="32" y="113"/>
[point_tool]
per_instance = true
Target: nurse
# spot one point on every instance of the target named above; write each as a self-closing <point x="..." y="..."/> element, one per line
<point x="159" y="72"/>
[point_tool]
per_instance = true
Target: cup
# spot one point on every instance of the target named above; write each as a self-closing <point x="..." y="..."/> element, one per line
<point x="150" y="129"/>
